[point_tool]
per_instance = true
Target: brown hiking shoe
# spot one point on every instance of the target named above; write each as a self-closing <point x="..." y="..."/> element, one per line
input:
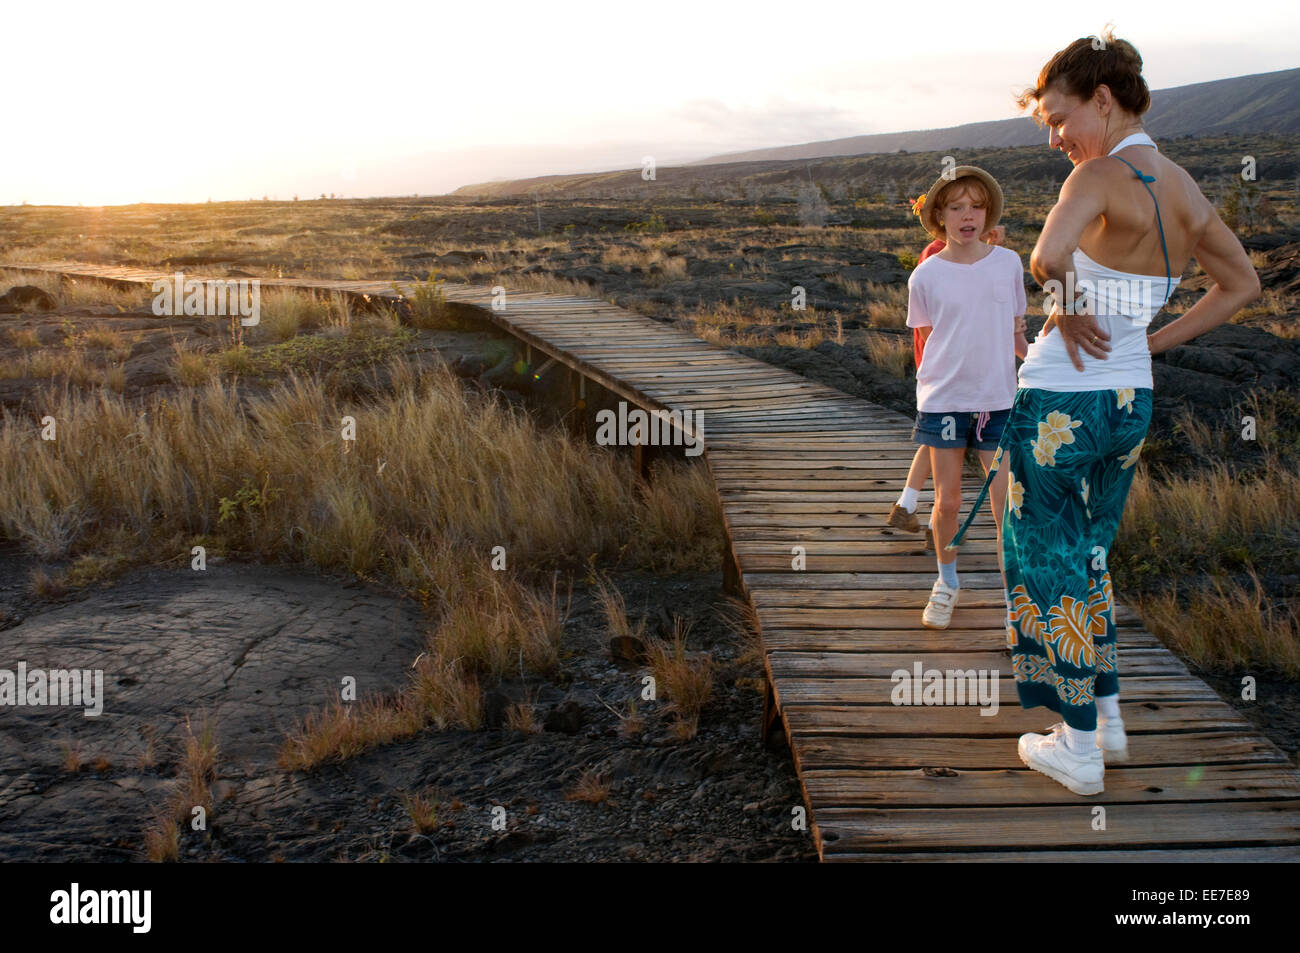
<point x="900" y="518"/>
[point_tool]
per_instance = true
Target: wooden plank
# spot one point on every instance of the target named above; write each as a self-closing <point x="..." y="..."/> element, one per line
<point x="971" y="721"/>
<point x="1227" y="823"/>
<point x="915" y="597"/>
<point x="903" y="640"/>
<point x="845" y="751"/>
<point x="1209" y="855"/>
<point x="1156" y="689"/>
<point x="844" y="787"/>
<point x="789" y="664"/>
<point x="862" y="582"/>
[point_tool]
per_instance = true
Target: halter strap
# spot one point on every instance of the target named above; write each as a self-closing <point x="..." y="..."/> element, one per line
<point x="1144" y="179"/>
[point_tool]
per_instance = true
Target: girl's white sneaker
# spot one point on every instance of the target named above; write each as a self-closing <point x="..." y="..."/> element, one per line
<point x="938" y="611"/>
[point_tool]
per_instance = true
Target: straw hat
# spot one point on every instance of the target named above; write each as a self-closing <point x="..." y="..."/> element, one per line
<point x="924" y="206"/>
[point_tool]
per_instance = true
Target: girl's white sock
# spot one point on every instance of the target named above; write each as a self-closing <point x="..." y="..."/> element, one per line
<point x="908" y="500"/>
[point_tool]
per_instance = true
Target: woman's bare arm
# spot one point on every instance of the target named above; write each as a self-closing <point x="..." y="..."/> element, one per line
<point x="1235" y="285"/>
<point x="1082" y="200"/>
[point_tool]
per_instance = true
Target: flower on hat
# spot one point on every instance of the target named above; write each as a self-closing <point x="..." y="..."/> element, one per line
<point x="918" y="204"/>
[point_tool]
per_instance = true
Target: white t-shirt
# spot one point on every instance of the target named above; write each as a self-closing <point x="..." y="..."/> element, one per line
<point x="969" y="360"/>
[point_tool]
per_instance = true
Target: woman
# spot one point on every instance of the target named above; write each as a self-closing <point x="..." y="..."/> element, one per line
<point x="1125" y="226"/>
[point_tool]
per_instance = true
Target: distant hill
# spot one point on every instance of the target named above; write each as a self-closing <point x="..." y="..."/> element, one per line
<point x="1261" y="104"/>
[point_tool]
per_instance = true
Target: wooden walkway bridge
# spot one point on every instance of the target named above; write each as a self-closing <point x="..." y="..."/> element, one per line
<point x="798" y="464"/>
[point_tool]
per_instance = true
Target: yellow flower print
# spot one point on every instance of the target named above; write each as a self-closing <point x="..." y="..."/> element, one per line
<point x="1132" y="456"/>
<point x="1045" y="452"/>
<point x="1124" y="396"/>
<point x="1056" y="428"/>
<point x="1015" y="493"/>
<point x="1085" y="490"/>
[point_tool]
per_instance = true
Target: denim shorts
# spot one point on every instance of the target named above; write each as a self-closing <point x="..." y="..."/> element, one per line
<point x="957" y="429"/>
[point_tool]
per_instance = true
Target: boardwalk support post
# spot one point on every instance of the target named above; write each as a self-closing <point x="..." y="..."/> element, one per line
<point x="577" y="404"/>
<point x="771" y="718"/>
<point x="732" y="583"/>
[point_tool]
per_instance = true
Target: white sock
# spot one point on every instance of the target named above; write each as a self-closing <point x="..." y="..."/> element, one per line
<point x="908" y="500"/>
<point x="1080" y="742"/>
<point x="1108" y="706"/>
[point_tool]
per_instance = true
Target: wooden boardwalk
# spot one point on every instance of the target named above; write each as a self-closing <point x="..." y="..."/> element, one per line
<point x="798" y="464"/>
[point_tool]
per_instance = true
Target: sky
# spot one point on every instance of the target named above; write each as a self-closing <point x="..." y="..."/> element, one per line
<point x="114" y="103"/>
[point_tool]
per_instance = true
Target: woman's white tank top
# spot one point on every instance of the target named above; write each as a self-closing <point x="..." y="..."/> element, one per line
<point x="1123" y="304"/>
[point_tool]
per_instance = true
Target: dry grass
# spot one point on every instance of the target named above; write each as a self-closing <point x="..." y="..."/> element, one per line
<point x="1219" y="524"/>
<point x="191" y="367"/>
<point x="1271" y="303"/>
<point x="423" y="812"/>
<point x="45" y="586"/>
<point x="25" y="338"/>
<point x="502" y="626"/>
<point x="522" y="717"/>
<point x="459" y="475"/>
<point x="80" y="292"/>
<point x="592" y="788"/>
<point x="341" y="731"/>
<point x="72" y="757"/>
<point x="891" y="352"/>
<point x="686" y="679"/>
<point x="1227" y="628"/>
<point x="615" y="609"/>
<point x="162" y="841"/>
<point x="887" y="304"/>
<point x="196" y="770"/>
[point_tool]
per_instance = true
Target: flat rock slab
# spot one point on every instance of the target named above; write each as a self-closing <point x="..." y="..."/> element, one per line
<point x="252" y="648"/>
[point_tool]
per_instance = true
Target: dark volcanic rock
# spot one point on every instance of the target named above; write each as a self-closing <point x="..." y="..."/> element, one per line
<point x="21" y="297"/>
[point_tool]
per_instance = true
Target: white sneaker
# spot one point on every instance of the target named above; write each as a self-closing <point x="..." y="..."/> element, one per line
<point x="1050" y="755"/>
<point x="938" y="611"/>
<point x="1111" y="739"/>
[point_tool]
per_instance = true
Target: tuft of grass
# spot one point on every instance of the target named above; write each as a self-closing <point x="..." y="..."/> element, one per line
<point x="72" y="756"/>
<point x="162" y="841"/>
<point x="522" y="717"/>
<point x="341" y="731"/>
<point x="592" y="788"/>
<point x="25" y="338"/>
<point x="44" y="586"/>
<point x="191" y="367"/>
<point x="686" y="679"/>
<point x="423" y="811"/>
<point x="890" y="352"/>
<point x="198" y="769"/>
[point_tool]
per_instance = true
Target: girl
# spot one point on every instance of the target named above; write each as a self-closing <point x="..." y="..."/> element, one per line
<point x="967" y="300"/>
<point x="902" y="515"/>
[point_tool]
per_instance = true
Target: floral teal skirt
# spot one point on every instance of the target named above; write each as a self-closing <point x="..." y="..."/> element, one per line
<point x="1070" y="457"/>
